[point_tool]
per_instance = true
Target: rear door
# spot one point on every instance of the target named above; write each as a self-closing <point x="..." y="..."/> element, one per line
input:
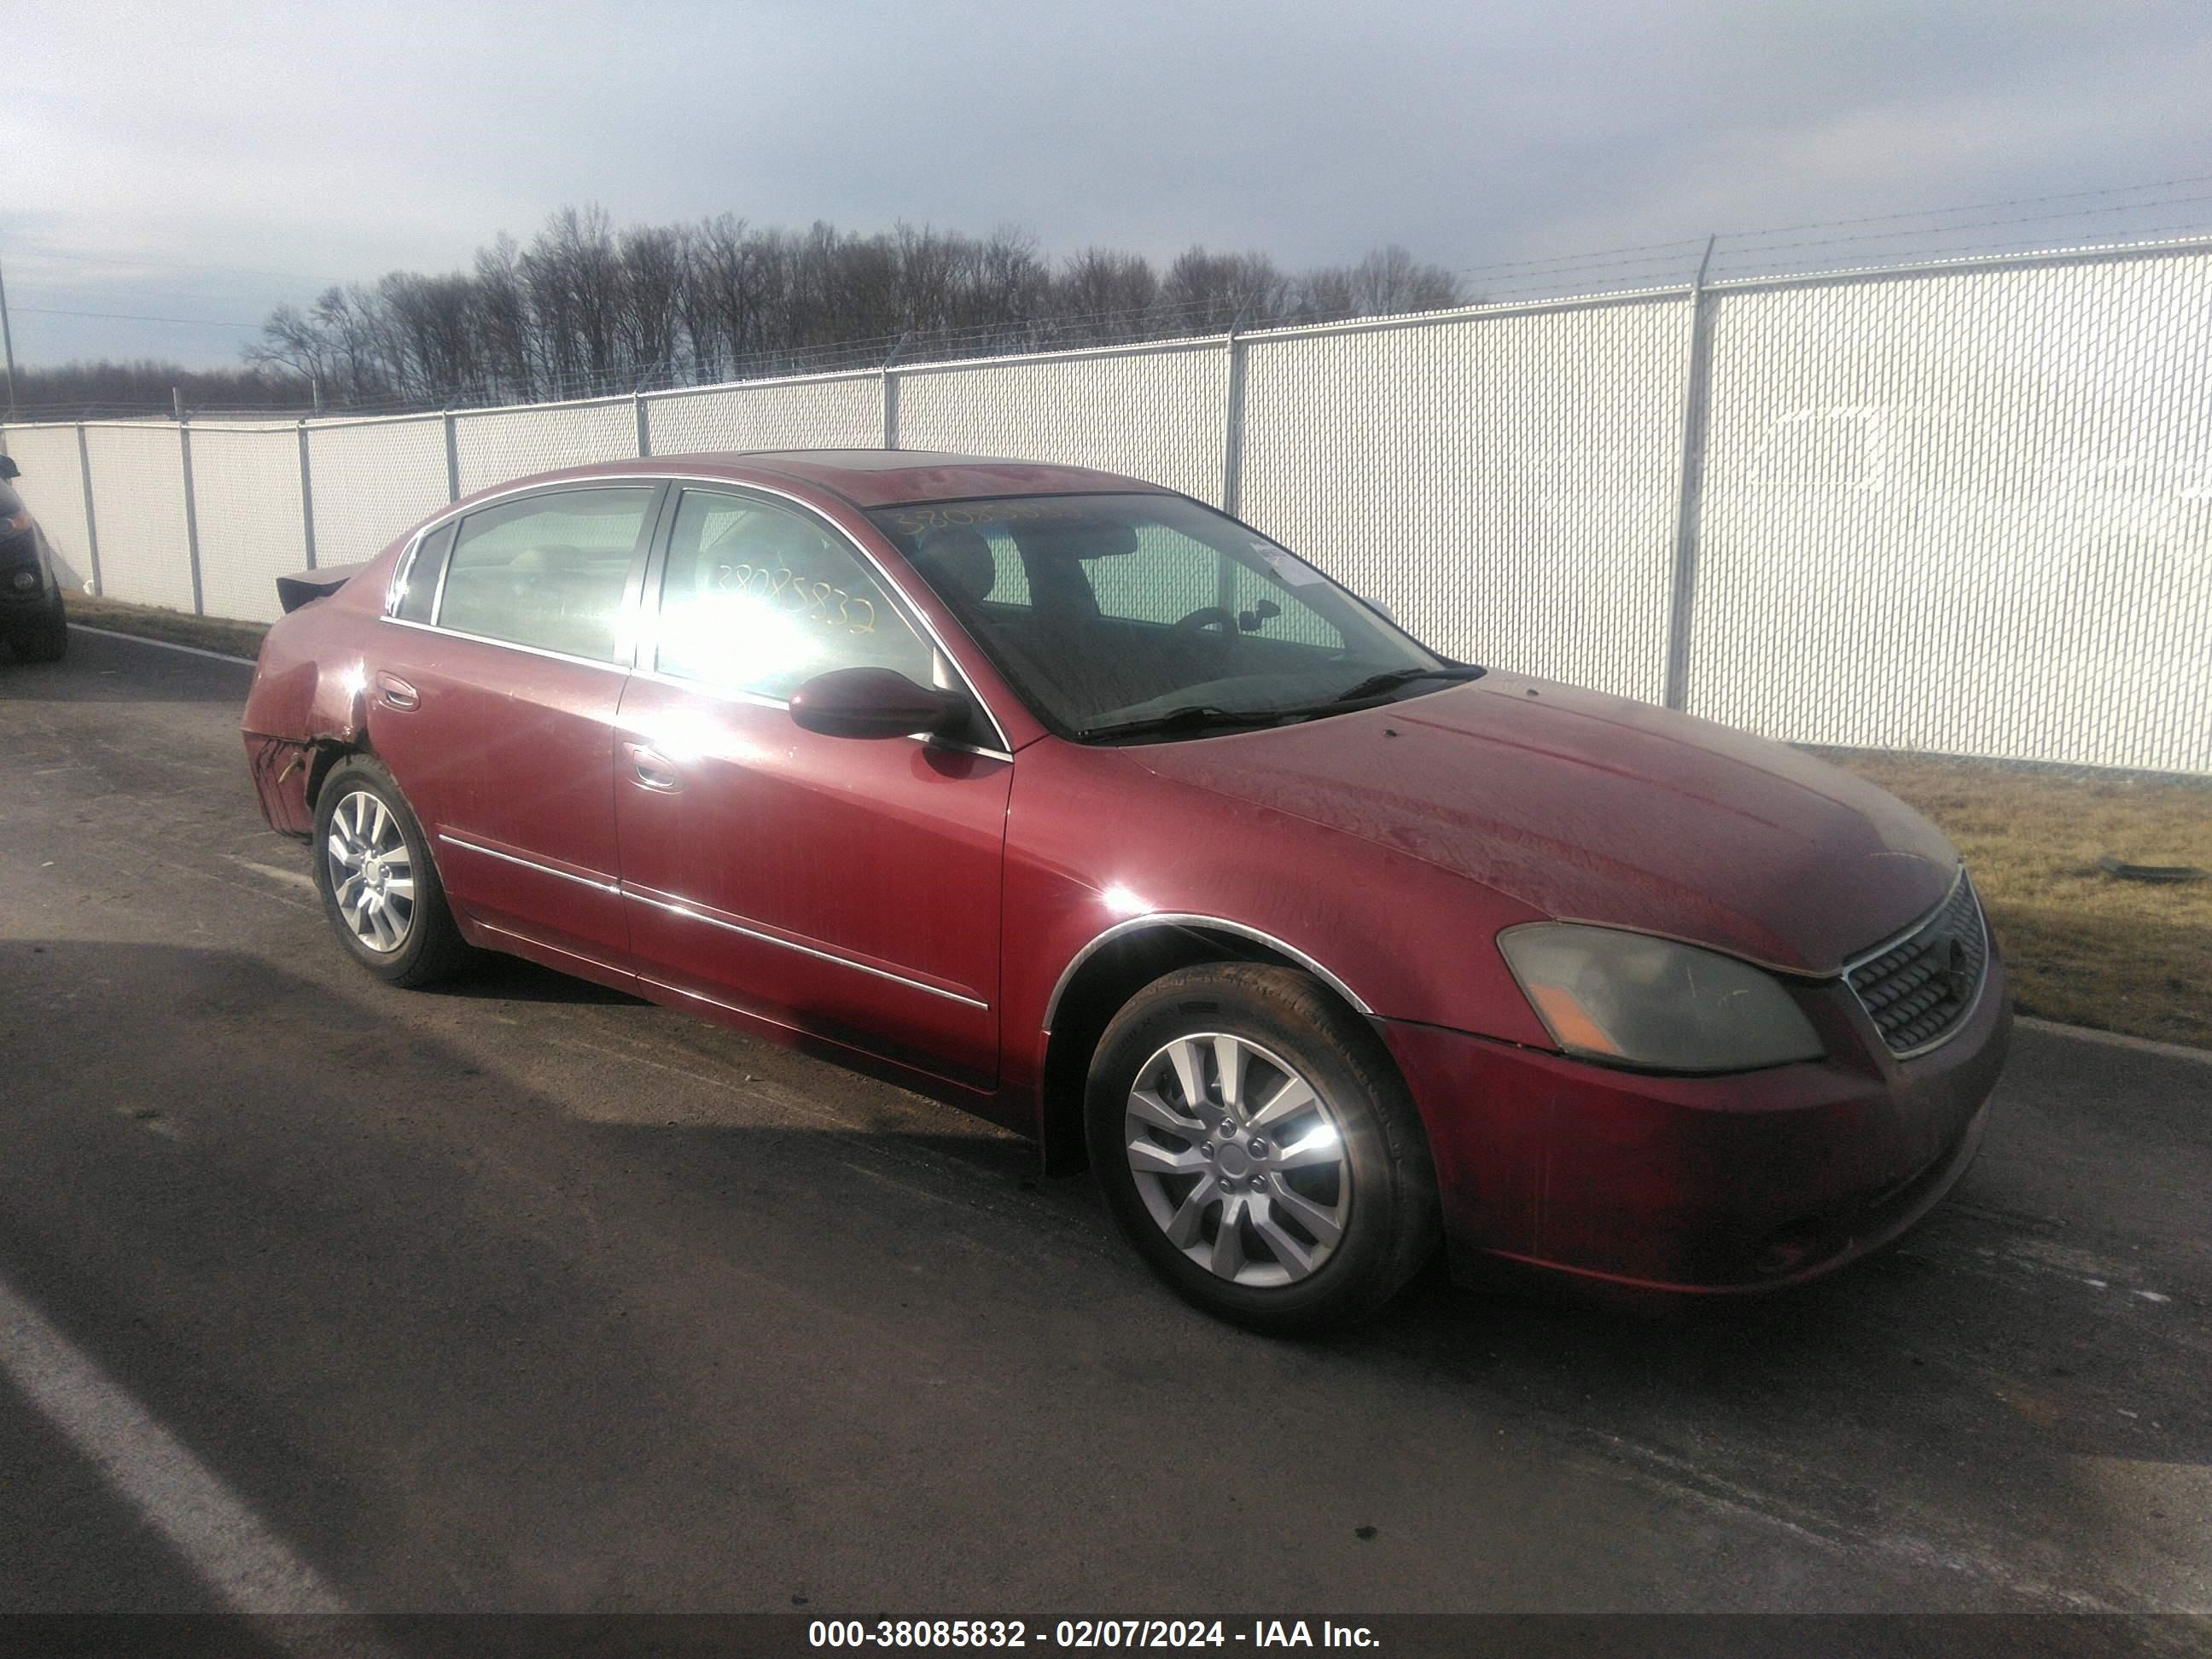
<point x="846" y="888"/>
<point x="494" y="704"/>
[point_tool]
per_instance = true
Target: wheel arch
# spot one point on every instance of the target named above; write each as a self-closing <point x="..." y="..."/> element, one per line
<point x="323" y="756"/>
<point x="1100" y="979"/>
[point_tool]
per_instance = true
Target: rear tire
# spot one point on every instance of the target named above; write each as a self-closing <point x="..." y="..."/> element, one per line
<point x="45" y="640"/>
<point x="380" y="890"/>
<point x="1258" y="1148"/>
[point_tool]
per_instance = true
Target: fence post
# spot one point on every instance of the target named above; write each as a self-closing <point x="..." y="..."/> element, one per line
<point x="890" y="384"/>
<point x="452" y="459"/>
<point x="191" y="506"/>
<point x="1232" y="436"/>
<point x="91" y="525"/>
<point x="644" y="428"/>
<point x="306" y="497"/>
<point x="1694" y="401"/>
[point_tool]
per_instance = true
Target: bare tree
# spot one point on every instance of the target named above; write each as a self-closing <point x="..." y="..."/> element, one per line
<point x="431" y="325"/>
<point x="1326" y="295"/>
<point x="292" y="342"/>
<point x="1103" y="291"/>
<point x="1389" y="280"/>
<point x="75" y="389"/>
<point x="656" y="268"/>
<point x="584" y="308"/>
<point x="506" y="330"/>
<point x="1207" y="293"/>
<point x="722" y="302"/>
<point x="1012" y="283"/>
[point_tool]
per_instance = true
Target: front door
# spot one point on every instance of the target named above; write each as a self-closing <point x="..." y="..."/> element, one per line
<point x="842" y="887"/>
<point x="494" y="705"/>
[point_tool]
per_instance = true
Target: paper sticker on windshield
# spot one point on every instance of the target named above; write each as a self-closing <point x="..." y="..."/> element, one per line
<point x="1289" y="568"/>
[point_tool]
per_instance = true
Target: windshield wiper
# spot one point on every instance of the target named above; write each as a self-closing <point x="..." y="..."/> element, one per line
<point x="1191" y="717"/>
<point x="1194" y="717"/>
<point x="1375" y="684"/>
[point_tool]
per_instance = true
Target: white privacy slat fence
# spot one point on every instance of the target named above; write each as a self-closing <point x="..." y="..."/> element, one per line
<point x="1964" y="508"/>
<point x="250" y="518"/>
<point x="370" y="479"/>
<point x="138" y="491"/>
<point x="831" y="411"/>
<point x="1506" y="483"/>
<point x="1158" y="414"/>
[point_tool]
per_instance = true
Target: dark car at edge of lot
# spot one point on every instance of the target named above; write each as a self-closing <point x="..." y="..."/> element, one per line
<point x="1068" y="800"/>
<point x="34" y="620"/>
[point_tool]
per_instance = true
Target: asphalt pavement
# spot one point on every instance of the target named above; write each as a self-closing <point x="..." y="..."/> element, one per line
<point x="526" y="1296"/>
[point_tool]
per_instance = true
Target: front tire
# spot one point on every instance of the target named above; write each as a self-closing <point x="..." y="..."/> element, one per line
<point x="1259" y="1150"/>
<point x="45" y="640"/>
<point x="380" y="890"/>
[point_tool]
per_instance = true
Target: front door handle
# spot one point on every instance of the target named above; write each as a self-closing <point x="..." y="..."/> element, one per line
<point x="653" y="769"/>
<point x="396" y="692"/>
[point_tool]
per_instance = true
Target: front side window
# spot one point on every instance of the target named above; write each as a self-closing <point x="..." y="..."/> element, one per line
<point x="1113" y="611"/>
<point x="547" y="571"/>
<point x="758" y="597"/>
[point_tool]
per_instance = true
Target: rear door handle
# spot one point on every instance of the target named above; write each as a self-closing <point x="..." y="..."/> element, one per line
<point x="653" y="769"/>
<point x="396" y="693"/>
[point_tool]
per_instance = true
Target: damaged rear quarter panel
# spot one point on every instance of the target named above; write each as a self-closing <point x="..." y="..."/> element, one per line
<point x="308" y="695"/>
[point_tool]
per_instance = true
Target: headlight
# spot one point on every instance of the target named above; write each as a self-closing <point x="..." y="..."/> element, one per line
<point x="1636" y="1000"/>
<point x="15" y="524"/>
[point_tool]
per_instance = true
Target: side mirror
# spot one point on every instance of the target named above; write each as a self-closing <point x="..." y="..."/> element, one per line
<point x="1379" y="609"/>
<point x="875" y="703"/>
<point x="8" y="469"/>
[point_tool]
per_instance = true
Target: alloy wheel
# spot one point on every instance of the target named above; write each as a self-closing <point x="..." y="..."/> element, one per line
<point x="1238" y="1158"/>
<point x="372" y="873"/>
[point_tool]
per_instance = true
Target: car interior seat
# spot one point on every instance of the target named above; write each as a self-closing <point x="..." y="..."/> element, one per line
<point x="956" y="561"/>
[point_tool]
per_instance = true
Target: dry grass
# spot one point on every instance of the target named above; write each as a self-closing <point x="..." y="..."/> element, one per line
<point x="2082" y="946"/>
<point x="233" y="638"/>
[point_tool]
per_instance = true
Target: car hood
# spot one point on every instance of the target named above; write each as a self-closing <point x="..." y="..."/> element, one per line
<point x="1594" y="808"/>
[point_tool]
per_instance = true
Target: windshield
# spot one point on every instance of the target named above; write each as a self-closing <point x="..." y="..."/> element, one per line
<point x="1107" y="612"/>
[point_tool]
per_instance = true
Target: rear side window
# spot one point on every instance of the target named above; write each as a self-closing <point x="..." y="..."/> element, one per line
<point x="418" y="590"/>
<point x="547" y="571"/>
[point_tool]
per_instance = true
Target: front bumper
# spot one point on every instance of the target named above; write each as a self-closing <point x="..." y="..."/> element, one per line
<point x="1732" y="1183"/>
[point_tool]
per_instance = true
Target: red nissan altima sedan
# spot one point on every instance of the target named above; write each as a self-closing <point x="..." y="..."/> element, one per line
<point x="1068" y="800"/>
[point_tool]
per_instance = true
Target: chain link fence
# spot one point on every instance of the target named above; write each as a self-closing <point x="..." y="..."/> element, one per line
<point x="1963" y="507"/>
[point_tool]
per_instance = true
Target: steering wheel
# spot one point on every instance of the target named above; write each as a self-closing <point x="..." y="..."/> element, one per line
<point x="1205" y="616"/>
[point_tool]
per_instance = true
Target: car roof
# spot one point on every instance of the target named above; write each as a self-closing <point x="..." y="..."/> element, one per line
<point x="887" y="477"/>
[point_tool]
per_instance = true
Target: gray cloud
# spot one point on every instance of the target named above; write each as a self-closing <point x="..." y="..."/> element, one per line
<point x="177" y="162"/>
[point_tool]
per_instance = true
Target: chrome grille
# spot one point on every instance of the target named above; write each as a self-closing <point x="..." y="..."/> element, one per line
<point x="1919" y="989"/>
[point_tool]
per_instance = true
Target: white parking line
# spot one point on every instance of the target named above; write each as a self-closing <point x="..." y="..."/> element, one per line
<point x="290" y="877"/>
<point x="162" y="645"/>
<point x="226" y="1545"/>
<point x="2118" y="1040"/>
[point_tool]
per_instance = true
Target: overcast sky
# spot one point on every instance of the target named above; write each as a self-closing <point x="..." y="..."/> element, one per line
<point x="197" y="161"/>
